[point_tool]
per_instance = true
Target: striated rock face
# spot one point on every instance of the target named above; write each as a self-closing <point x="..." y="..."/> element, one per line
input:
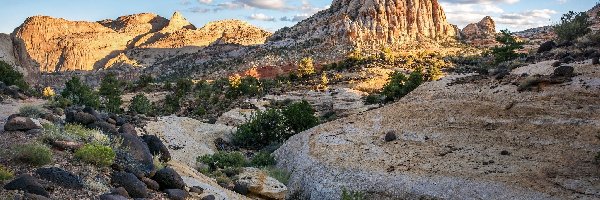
<point x="368" y="23"/>
<point x="46" y="44"/>
<point x="457" y="138"/>
<point x="483" y="29"/>
<point x="595" y="17"/>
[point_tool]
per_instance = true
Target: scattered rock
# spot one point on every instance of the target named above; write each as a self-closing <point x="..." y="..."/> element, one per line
<point x="20" y="124"/>
<point x="596" y="61"/>
<point x="120" y="191"/>
<point x="565" y="71"/>
<point x="61" y="177"/>
<point x="135" y="188"/>
<point x="151" y="184"/>
<point x="197" y="190"/>
<point x="67" y="145"/>
<point x="240" y="189"/>
<point x="157" y="147"/>
<point x="27" y="183"/>
<point x="29" y="196"/>
<point x="104" y="127"/>
<point x="546" y="46"/>
<point x="504" y="153"/>
<point x="112" y="197"/>
<point x="567" y="59"/>
<point x="259" y="183"/>
<point x="136" y="158"/>
<point x="168" y="178"/>
<point x="177" y="194"/>
<point x="209" y="197"/>
<point x="390" y="136"/>
<point x="556" y="64"/>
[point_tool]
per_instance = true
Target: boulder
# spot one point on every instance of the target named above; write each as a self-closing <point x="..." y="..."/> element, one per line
<point x="546" y="46"/>
<point x="135" y="157"/>
<point x="177" y="194"/>
<point x="390" y="136"/>
<point x="79" y="117"/>
<point x="104" y="127"/>
<point x="20" y="124"/>
<point x="565" y="71"/>
<point x="61" y="177"/>
<point x="112" y="197"/>
<point x="596" y="61"/>
<point x="135" y="188"/>
<point x="261" y="184"/>
<point x="120" y="191"/>
<point x="29" y="196"/>
<point x="157" y="147"/>
<point x="168" y="178"/>
<point x="27" y="183"/>
<point x="151" y="184"/>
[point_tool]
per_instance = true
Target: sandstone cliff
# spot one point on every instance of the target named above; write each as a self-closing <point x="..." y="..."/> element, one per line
<point x="373" y="23"/>
<point x="481" y="33"/>
<point x="47" y="44"/>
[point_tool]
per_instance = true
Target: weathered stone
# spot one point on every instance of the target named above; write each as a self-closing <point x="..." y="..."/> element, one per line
<point x="104" y="127"/>
<point x="390" y="136"/>
<point x="20" y="124"/>
<point x="259" y="183"/>
<point x="136" y="157"/>
<point x="157" y="147"/>
<point x="168" y="178"/>
<point x="27" y="183"/>
<point x="61" y="177"/>
<point x="151" y="184"/>
<point x="565" y="71"/>
<point x="135" y="188"/>
<point x="546" y="46"/>
<point x="177" y="194"/>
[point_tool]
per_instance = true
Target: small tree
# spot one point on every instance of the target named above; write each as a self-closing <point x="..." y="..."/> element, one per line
<point x="48" y="92"/>
<point x="263" y="129"/>
<point x="306" y="67"/>
<point x="507" y="51"/>
<point x="140" y="104"/>
<point x="110" y="90"/>
<point x="399" y="85"/>
<point x="12" y="77"/>
<point x="572" y="26"/>
<point x="80" y="94"/>
<point x="300" y="117"/>
<point x="144" y="81"/>
<point x="324" y="82"/>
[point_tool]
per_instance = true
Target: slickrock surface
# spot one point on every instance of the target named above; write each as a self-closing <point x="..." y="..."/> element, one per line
<point x="370" y="23"/>
<point x="459" y="138"/>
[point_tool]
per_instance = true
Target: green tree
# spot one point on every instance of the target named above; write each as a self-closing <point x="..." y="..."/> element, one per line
<point x="572" y="26"/>
<point x="507" y="51"/>
<point x="300" y="117"/>
<point x="144" y="81"/>
<point x="80" y="94"/>
<point x="140" y="104"/>
<point x="306" y="67"/>
<point x="110" y="90"/>
<point x="9" y="76"/>
<point x="399" y="85"/>
<point x="263" y="129"/>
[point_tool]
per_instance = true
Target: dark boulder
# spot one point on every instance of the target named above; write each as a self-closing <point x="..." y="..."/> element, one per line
<point x="567" y="59"/>
<point x="79" y="117"/>
<point x="135" y="156"/>
<point x="546" y="46"/>
<point x="120" y="191"/>
<point x="209" y="197"/>
<point x="556" y="64"/>
<point x="157" y="147"/>
<point x="596" y="61"/>
<point x="29" y="196"/>
<point x="20" y="124"/>
<point x="112" y="197"/>
<point x="176" y="194"/>
<point x="61" y="177"/>
<point x="241" y="188"/>
<point x="390" y="136"/>
<point x="197" y="189"/>
<point x="27" y="183"/>
<point x="135" y="188"/>
<point x="51" y="117"/>
<point x="168" y="178"/>
<point x="565" y="71"/>
<point x="104" y="127"/>
<point x="151" y="184"/>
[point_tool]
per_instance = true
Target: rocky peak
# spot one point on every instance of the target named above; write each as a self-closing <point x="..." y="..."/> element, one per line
<point x="482" y="33"/>
<point x="373" y="23"/>
<point x="178" y="22"/>
<point x="137" y="23"/>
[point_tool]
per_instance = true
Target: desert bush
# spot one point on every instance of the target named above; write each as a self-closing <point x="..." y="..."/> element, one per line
<point x="281" y="175"/>
<point x="10" y="76"/>
<point x="81" y="133"/>
<point x="34" y="154"/>
<point x="306" y="67"/>
<point x="144" y="81"/>
<point x="96" y="154"/>
<point x="399" y="85"/>
<point x="572" y="26"/>
<point x="235" y="81"/>
<point x="222" y="160"/>
<point x="78" y="93"/>
<point x="31" y="111"/>
<point x="506" y="52"/>
<point x="110" y="90"/>
<point x="264" y="128"/>
<point x="373" y="99"/>
<point x="140" y="104"/>
<point x="262" y="159"/>
<point x="299" y="117"/>
<point x="248" y="85"/>
<point x="5" y="174"/>
<point x="352" y="195"/>
<point x="48" y="92"/>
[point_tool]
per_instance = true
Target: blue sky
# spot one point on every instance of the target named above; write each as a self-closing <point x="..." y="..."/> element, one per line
<point x="274" y="14"/>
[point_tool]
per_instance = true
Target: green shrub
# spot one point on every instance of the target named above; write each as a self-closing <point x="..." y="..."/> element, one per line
<point x="373" y="99"/>
<point x="399" y="86"/>
<point x="247" y="86"/>
<point x="506" y="52"/>
<point x="80" y="94"/>
<point x="144" y="81"/>
<point x="306" y="67"/>
<point x="572" y="26"/>
<point x="96" y="154"/>
<point x="140" y="104"/>
<point x="352" y="195"/>
<point x="264" y="128"/>
<point x="222" y="160"/>
<point x="281" y="175"/>
<point x="300" y="117"/>
<point x="262" y="159"/>
<point x="81" y="133"/>
<point x="34" y="154"/>
<point x="5" y="174"/>
<point x="9" y="76"/>
<point x="32" y="111"/>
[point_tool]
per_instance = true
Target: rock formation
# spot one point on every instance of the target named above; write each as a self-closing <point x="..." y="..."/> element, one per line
<point x="373" y="23"/>
<point x="483" y="29"/>
<point x="47" y="44"/>
<point x="594" y="14"/>
<point x="459" y="138"/>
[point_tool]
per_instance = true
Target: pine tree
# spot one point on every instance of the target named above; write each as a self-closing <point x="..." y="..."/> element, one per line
<point x="110" y="90"/>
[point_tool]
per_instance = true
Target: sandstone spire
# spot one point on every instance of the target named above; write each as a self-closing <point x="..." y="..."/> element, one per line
<point x="178" y="22"/>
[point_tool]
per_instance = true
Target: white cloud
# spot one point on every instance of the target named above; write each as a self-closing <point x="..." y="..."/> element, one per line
<point x="205" y="1"/>
<point x="261" y="17"/>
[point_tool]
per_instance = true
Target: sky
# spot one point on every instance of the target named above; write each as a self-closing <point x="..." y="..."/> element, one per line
<point x="272" y="15"/>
